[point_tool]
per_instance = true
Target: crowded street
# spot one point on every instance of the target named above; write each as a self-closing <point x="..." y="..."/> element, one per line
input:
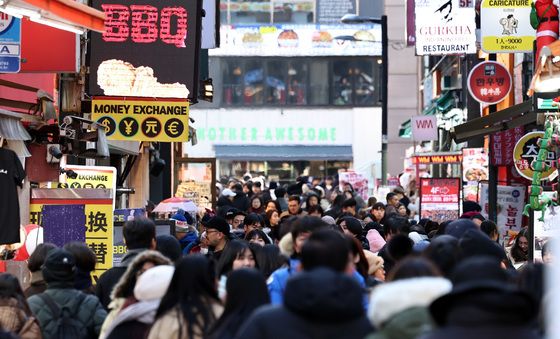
<point x="279" y="169"/>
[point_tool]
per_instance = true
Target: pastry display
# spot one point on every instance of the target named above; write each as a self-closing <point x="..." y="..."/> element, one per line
<point x="322" y="39"/>
<point x="288" y="38"/>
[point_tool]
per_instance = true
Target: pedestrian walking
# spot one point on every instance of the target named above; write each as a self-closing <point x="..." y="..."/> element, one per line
<point x="15" y="315"/>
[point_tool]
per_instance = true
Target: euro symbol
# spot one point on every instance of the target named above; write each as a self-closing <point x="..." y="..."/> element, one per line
<point x="128" y="128"/>
<point x="172" y="128"/>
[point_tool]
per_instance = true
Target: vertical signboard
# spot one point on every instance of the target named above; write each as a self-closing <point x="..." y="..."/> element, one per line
<point x="445" y="27"/>
<point x="503" y="144"/>
<point x="10" y="43"/>
<point x="511" y="201"/>
<point x="149" y="49"/>
<point x="439" y="198"/>
<point x="505" y="26"/>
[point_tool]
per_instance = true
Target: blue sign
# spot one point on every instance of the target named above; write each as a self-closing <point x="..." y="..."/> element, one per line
<point x="10" y="43"/>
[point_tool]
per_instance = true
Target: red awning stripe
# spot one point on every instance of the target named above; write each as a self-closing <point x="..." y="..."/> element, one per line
<point x="72" y="12"/>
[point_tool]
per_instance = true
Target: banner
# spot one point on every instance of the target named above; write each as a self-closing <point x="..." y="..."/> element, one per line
<point x="503" y="144"/>
<point x="511" y="201"/>
<point x="439" y="198"/>
<point x="475" y="164"/>
<point x="98" y="225"/>
<point x="358" y="182"/>
<point x="438" y="158"/>
<point x="142" y="120"/>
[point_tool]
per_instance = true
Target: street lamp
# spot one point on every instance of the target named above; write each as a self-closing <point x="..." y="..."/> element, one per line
<point x="356" y="19"/>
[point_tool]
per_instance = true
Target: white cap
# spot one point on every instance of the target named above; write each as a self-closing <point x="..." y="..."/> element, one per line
<point x="228" y="193"/>
<point x="153" y="283"/>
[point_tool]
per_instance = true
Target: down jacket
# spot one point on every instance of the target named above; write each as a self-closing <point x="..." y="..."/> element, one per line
<point x="90" y="313"/>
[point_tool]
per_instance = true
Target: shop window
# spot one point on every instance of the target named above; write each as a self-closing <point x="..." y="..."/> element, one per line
<point x="343" y="92"/>
<point x="253" y="79"/>
<point x="297" y="83"/>
<point x="319" y="82"/>
<point x="248" y="11"/>
<point x="293" y="11"/>
<point x="232" y="84"/>
<point x="276" y="83"/>
<point x="267" y="11"/>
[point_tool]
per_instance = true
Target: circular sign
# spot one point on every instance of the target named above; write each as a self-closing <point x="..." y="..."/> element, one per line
<point x="5" y="22"/>
<point x="489" y="82"/>
<point x="526" y="151"/>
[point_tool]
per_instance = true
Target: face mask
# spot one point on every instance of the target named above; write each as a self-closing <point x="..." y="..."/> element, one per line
<point x="204" y="251"/>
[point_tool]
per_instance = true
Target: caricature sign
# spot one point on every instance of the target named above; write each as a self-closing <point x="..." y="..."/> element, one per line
<point x="505" y="26"/>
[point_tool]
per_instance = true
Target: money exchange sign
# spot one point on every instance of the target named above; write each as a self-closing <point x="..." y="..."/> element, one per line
<point x="142" y="120"/>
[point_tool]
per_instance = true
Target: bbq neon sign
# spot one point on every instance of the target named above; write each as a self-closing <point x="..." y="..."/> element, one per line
<point x="145" y="24"/>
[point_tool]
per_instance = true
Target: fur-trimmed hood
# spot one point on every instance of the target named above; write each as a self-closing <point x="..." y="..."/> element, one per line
<point x="389" y="299"/>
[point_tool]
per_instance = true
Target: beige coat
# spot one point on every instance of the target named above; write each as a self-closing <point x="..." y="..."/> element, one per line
<point x="167" y="327"/>
<point x="13" y="319"/>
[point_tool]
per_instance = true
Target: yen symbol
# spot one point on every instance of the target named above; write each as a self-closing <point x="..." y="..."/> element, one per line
<point x="128" y="127"/>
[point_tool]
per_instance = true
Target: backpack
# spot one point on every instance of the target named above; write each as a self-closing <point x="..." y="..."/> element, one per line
<point x="67" y="326"/>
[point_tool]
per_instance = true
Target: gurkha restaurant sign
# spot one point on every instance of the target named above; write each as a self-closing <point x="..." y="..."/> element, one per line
<point x="164" y="120"/>
<point x="149" y="49"/>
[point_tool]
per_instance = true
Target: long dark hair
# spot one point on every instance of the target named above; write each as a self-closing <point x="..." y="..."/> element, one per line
<point x="269" y="259"/>
<point x="233" y="249"/>
<point x="516" y="252"/>
<point x="246" y="291"/>
<point x="193" y="291"/>
<point x="10" y="288"/>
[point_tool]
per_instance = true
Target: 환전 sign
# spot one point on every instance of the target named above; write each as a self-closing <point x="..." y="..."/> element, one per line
<point x="142" y="120"/>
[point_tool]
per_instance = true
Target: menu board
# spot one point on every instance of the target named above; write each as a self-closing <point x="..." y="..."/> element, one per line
<point x="198" y="192"/>
<point x="439" y="198"/>
<point x="475" y="164"/>
<point x="330" y="11"/>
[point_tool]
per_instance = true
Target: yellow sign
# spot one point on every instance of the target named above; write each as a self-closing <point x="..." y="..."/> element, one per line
<point x="142" y="119"/>
<point x="99" y="228"/>
<point x="90" y="177"/>
<point x="526" y="151"/>
<point x="505" y="26"/>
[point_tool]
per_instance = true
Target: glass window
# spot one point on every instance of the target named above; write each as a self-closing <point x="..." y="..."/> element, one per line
<point x="364" y="82"/>
<point x="293" y="11"/>
<point x="319" y="82"/>
<point x="276" y="82"/>
<point x="342" y="89"/>
<point x="232" y="83"/>
<point x="297" y="83"/>
<point x="253" y="80"/>
<point x="248" y="11"/>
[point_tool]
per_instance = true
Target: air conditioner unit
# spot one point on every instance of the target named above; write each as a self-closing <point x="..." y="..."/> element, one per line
<point x="449" y="82"/>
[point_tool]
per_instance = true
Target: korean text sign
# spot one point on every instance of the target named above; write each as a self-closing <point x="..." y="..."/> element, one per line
<point x="489" y="82"/>
<point x="148" y="49"/>
<point x="526" y="151"/>
<point x="142" y="120"/>
<point x="511" y="201"/>
<point x="439" y="198"/>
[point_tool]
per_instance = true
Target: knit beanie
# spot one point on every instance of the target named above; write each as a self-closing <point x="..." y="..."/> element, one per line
<point x="59" y="266"/>
<point x="376" y="241"/>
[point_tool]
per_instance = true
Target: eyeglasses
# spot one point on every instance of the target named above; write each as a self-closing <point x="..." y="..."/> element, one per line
<point x="211" y="231"/>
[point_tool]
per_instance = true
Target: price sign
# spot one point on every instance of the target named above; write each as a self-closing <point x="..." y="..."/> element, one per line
<point x="439" y="198"/>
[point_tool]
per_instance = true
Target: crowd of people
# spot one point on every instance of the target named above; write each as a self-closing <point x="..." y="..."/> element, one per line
<point x="309" y="260"/>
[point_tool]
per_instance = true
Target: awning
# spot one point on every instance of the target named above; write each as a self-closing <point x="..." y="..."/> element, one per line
<point x="405" y="129"/>
<point x="63" y="14"/>
<point x="280" y="153"/>
<point x="511" y="117"/>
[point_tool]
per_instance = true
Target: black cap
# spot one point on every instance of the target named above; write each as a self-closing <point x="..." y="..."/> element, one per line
<point x="218" y="223"/>
<point x="59" y="266"/>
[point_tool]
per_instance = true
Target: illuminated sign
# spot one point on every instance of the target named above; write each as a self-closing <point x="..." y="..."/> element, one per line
<point x="439" y="198"/>
<point x="439" y="158"/>
<point x="148" y="49"/>
<point x="142" y="120"/>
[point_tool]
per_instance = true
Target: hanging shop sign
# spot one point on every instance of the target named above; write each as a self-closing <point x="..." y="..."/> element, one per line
<point x="424" y="128"/>
<point x="98" y="210"/>
<point x="503" y="144"/>
<point x="544" y="102"/>
<point x="475" y="164"/>
<point x="439" y="198"/>
<point x="142" y="119"/>
<point x="90" y="177"/>
<point x="505" y="26"/>
<point x="511" y="201"/>
<point x="489" y="82"/>
<point x="148" y="49"/>
<point x="445" y="27"/>
<point x="438" y="158"/>
<point x="10" y="43"/>
<point x="526" y="151"/>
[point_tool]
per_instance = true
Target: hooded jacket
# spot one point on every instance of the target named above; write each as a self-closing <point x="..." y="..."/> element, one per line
<point x="332" y="308"/>
<point x="399" y="309"/>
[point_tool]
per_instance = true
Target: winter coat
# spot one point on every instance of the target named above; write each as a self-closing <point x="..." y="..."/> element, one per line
<point x="399" y="309"/>
<point x="278" y="279"/>
<point x="111" y="277"/>
<point x="172" y="323"/>
<point x="486" y="314"/>
<point x="90" y="312"/>
<point x="134" y="321"/>
<point x="332" y="308"/>
<point x="14" y="319"/>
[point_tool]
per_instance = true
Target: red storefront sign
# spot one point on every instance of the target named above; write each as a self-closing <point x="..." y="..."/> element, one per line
<point x="503" y="144"/>
<point x="489" y="82"/>
<point x="439" y="198"/>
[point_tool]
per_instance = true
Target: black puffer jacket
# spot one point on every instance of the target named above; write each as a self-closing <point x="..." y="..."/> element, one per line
<point x="317" y="304"/>
<point x="90" y="313"/>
